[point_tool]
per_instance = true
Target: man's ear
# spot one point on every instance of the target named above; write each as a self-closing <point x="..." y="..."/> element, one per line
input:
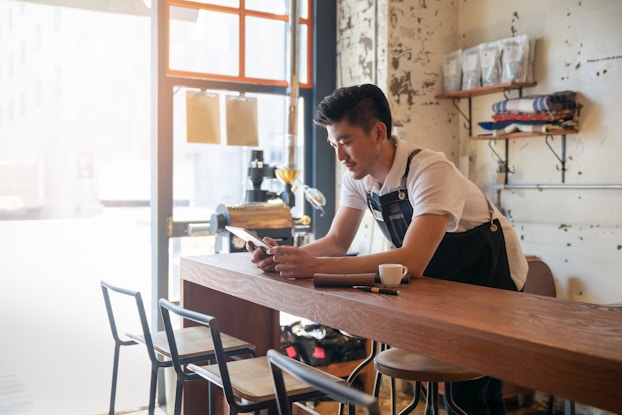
<point x="380" y="130"/>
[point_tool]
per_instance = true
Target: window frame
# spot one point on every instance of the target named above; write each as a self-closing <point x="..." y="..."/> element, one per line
<point x="318" y="155"/>
<point x="242" y="14"/>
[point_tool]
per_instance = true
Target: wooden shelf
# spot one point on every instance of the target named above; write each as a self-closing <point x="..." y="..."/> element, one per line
<point x="522" y="135"/>
<point x="484" y="90"/>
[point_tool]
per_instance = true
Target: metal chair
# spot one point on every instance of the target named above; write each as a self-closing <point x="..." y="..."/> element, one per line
<point x="245" y="383"/>
<point x="332" y="386"/>
<point x="400" y="364"/>
<point x="196" y="347"/>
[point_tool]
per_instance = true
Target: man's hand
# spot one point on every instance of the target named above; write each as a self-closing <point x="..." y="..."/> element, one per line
<point x="261" y="258"/>
<point x="293" y="262"/>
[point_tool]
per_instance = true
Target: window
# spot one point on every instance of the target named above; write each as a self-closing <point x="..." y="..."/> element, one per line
<point x="227" y="51"/>
<point x="239" y="45"/>
<point x="225" y="40"/>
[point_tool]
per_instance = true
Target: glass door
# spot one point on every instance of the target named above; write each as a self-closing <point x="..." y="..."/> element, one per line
<point x="227" y="72"/>
<point x="74" y="200"/>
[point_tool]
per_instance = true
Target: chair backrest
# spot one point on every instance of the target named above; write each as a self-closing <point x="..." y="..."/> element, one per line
<point x="109" y="290"/>
<point x="166" y="308"/>
<point x="539" y="278"/>
<point x="319" y="380"/>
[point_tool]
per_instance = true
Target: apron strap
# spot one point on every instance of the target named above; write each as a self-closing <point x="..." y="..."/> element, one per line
<point x="491" y="211"/>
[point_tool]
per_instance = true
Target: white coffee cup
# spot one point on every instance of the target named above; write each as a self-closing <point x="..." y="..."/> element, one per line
<point x="391" y="274"/>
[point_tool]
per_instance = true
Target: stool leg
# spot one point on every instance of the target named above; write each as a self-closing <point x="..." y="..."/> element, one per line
<point x="450" y="400"/>
<point x="361" y="366"/>
<point x="392" y="382"/>
<point x="377" y="380"/>
<point x="550" y="404"/>
<point x="431" y="405"/>
<point x="569" y="407"/>
<point x="415" y="401"/>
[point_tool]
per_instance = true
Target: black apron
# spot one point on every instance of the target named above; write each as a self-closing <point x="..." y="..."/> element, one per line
<point x="477" y="256"/>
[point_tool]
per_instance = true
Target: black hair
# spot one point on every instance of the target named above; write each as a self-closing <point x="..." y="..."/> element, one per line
<point x="361" y="105"/>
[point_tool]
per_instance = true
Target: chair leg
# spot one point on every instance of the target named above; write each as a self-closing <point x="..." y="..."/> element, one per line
<point x="211" y="406"/>
<point x="115" y="372"/>
<point x="152" y="389"/>
<point x="178" y="395"/>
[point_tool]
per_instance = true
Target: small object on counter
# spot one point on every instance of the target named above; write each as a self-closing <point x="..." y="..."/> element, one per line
<point x="376" y="290"/>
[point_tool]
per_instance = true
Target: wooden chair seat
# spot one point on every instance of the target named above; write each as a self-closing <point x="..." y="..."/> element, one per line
<point x="404" y="365"/>
<point x="251" y="379"/>
<point x="246" y="383"/>
<point x="282" y="368"/>
<point x="192" y="342"/>
<point x="195" y="345"/>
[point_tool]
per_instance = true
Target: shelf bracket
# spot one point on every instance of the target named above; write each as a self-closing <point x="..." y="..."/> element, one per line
<point x="503" y="169"/>
<point x="467" y="118"/>
<point x="562" y="158"/>
<point x="506" y="92"/>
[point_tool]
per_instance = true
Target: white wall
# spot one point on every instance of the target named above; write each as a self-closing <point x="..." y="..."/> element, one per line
<point x="578" y="47"/>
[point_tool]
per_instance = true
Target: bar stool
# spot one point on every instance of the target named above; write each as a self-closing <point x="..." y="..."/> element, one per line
<point x="400" y="364"/>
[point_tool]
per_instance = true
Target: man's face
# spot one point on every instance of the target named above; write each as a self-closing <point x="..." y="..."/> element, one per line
<point x="357" y="150"/>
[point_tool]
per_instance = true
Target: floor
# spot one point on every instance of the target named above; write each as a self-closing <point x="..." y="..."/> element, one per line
<point x="327" y="407"/>
<point x="403" y="398"/>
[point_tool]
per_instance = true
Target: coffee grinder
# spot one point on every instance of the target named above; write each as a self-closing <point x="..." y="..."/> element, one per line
<point x="258" y="170"/>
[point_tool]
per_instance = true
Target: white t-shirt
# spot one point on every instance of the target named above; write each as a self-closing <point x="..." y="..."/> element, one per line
<point x="436" y="186"/>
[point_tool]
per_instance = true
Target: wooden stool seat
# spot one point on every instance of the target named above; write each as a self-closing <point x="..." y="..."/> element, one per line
<point x="404" y="365"/>
<point x="400" y="364"/>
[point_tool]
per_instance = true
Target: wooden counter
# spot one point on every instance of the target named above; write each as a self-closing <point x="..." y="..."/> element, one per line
<point x="569" y="349"/>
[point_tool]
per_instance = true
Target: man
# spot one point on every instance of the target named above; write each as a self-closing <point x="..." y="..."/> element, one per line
<point x="441" y="224"/>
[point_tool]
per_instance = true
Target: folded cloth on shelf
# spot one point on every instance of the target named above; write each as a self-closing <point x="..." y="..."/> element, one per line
<point x="550" y="116"/>
<point x="537" y="103"/>
<point x="488" y="125"/>
<point x="535" y="128"/>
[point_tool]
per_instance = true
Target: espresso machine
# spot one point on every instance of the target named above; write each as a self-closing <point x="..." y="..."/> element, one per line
<point x="272" y="218"/>
<point x="263" y="211"/>
<point x="266" y="211"/>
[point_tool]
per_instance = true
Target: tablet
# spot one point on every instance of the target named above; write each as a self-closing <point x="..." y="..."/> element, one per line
<point x="247" y="236"/>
